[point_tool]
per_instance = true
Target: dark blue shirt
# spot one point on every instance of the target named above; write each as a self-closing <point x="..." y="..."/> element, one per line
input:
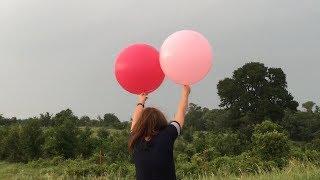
<point x="154" y="159"/>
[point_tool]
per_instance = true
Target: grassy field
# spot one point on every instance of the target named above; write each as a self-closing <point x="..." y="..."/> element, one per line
<point x="295" y="170"/>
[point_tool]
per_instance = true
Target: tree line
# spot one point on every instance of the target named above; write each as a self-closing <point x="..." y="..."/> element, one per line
<point x="257" y="126"/>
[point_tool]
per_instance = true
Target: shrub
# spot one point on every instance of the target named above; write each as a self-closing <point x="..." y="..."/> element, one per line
<point x="224" y="166"/>
<point x="297" y="153"/>
<point x="121" y="170"/>
<point x="199" y="141"/>
<point x="210" y="154"/>
<point x="186" y="169"/>
<point x="313" y="156"/>
<point x="11" y="145"/>
<point x="226" y="143"/>
<point x="314" y="144"/>
<point x="182" y="158"/>
<point x="32" y="139"/>
<point x="84" y="168"/>
<point x="248" y="163"/>
<point x="87" y="143"/>
<point x="270" y="143"/>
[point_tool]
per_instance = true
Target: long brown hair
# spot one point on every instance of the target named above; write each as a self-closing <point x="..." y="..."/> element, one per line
<point x="150" y="123"/>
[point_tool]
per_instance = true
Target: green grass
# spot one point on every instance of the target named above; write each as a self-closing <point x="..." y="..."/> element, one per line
<point x="17" y="171"/>
<point x="295" y="171"/>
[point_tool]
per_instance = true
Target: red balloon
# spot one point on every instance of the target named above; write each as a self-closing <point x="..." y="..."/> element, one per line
<point x="138" y="70"/>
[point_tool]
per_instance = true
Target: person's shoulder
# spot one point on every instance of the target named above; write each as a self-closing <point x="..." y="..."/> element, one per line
<point x="172" y="130"/>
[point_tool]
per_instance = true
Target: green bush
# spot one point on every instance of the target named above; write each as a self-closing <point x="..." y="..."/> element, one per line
<point x="226" y="143"/>
<point x="121" y="170"/>
<point x="84" y="168"/>
<point x="248" y="163"/>
<point x="182" y="158"/>
<point x="32" y="139"/>
<point x="313" y="156"/>
<point x="297" y="153"/>
<point x="186" y="169"/>
<point x="210" y="154"/>
<point x="11" y="149"/>
<point x="223" y="166"/>
<point x="271" y="144"/>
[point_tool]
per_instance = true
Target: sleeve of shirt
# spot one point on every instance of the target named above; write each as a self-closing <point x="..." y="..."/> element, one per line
<point x="173" y="130"/>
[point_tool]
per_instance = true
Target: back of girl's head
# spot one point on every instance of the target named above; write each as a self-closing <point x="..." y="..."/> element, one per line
<point x="149" y="124"/>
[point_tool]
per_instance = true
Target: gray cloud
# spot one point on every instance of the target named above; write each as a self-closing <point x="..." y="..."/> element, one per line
<point x="60" y="54"/>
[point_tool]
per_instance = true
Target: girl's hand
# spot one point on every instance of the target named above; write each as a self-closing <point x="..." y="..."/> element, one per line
<point x="142" y="98"/>
<point x="186" y="90"/>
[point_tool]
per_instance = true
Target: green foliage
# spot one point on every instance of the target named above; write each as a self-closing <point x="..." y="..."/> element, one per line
<point x="222" y="165"/>
<point x="233" y="141"/>
<point x="267" y="127"/>
<point x="315" y="144"/>
<point x="116" y="147"/>
<point x="317" y="110"/>
<point x="270" y="143"/>
<point x="308" y="106"/>
<point x="257" y="91"/>
<point x="227" y="144"/>
<point x="86" y="144"/>
<point x="111" y="120"/>
<point x="187" y="135"/>
<point x="11" y="145"/>
<point x="32" y="139"/>
<point x="65" y="115"/>
<point x="302" y="126"/>
<point x="215" y="119"/>
<point x="46" y="119"/>
<point x="199" y="141"/>
<point x="62" y="139"/>
<point x="194" y="117"/>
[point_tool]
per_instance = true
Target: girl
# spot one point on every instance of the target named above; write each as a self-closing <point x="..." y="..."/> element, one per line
<point x="152" y="139"/>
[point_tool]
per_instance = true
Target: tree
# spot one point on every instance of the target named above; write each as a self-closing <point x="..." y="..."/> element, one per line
<point x="64" y="115"/>
<point x="257" y="91"/>
<point x="216" y="119"/>
<point x="46" y="119"/>
<point x="317" y="110"/>
<point x="8" y="121"/>
<point x="102" y="135"/>
<point x="116" y="147"/>
<point x="84" y="120"/>
<point x="12" y="145"/>
<point x="67" y="138"/>
<point x="86" y="143"/>
<point x="3" y="133"/>
<point x="2" y="120"/>
<point x="308" y="106"/>
<point x="302" y="126"/>
<point x="194" y="117"/>
<point x="32" y="139"/>
<point x="62" y="140"/>
<point x="111" y="120"/>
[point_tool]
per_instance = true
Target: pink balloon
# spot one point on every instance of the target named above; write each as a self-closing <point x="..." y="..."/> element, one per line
<point x="186" y="57"/>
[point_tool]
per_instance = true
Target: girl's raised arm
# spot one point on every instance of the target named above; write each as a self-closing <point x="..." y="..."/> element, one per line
<point x="183" y="104"/>
<point x="138" y="109"/>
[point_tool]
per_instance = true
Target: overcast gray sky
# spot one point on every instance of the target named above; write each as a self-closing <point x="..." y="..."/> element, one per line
<point x="58" y="54"/>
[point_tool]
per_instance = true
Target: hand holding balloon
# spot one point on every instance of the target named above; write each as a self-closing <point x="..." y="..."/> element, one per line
<point x="142" y="98"/>
<point x="186" y="90"/>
